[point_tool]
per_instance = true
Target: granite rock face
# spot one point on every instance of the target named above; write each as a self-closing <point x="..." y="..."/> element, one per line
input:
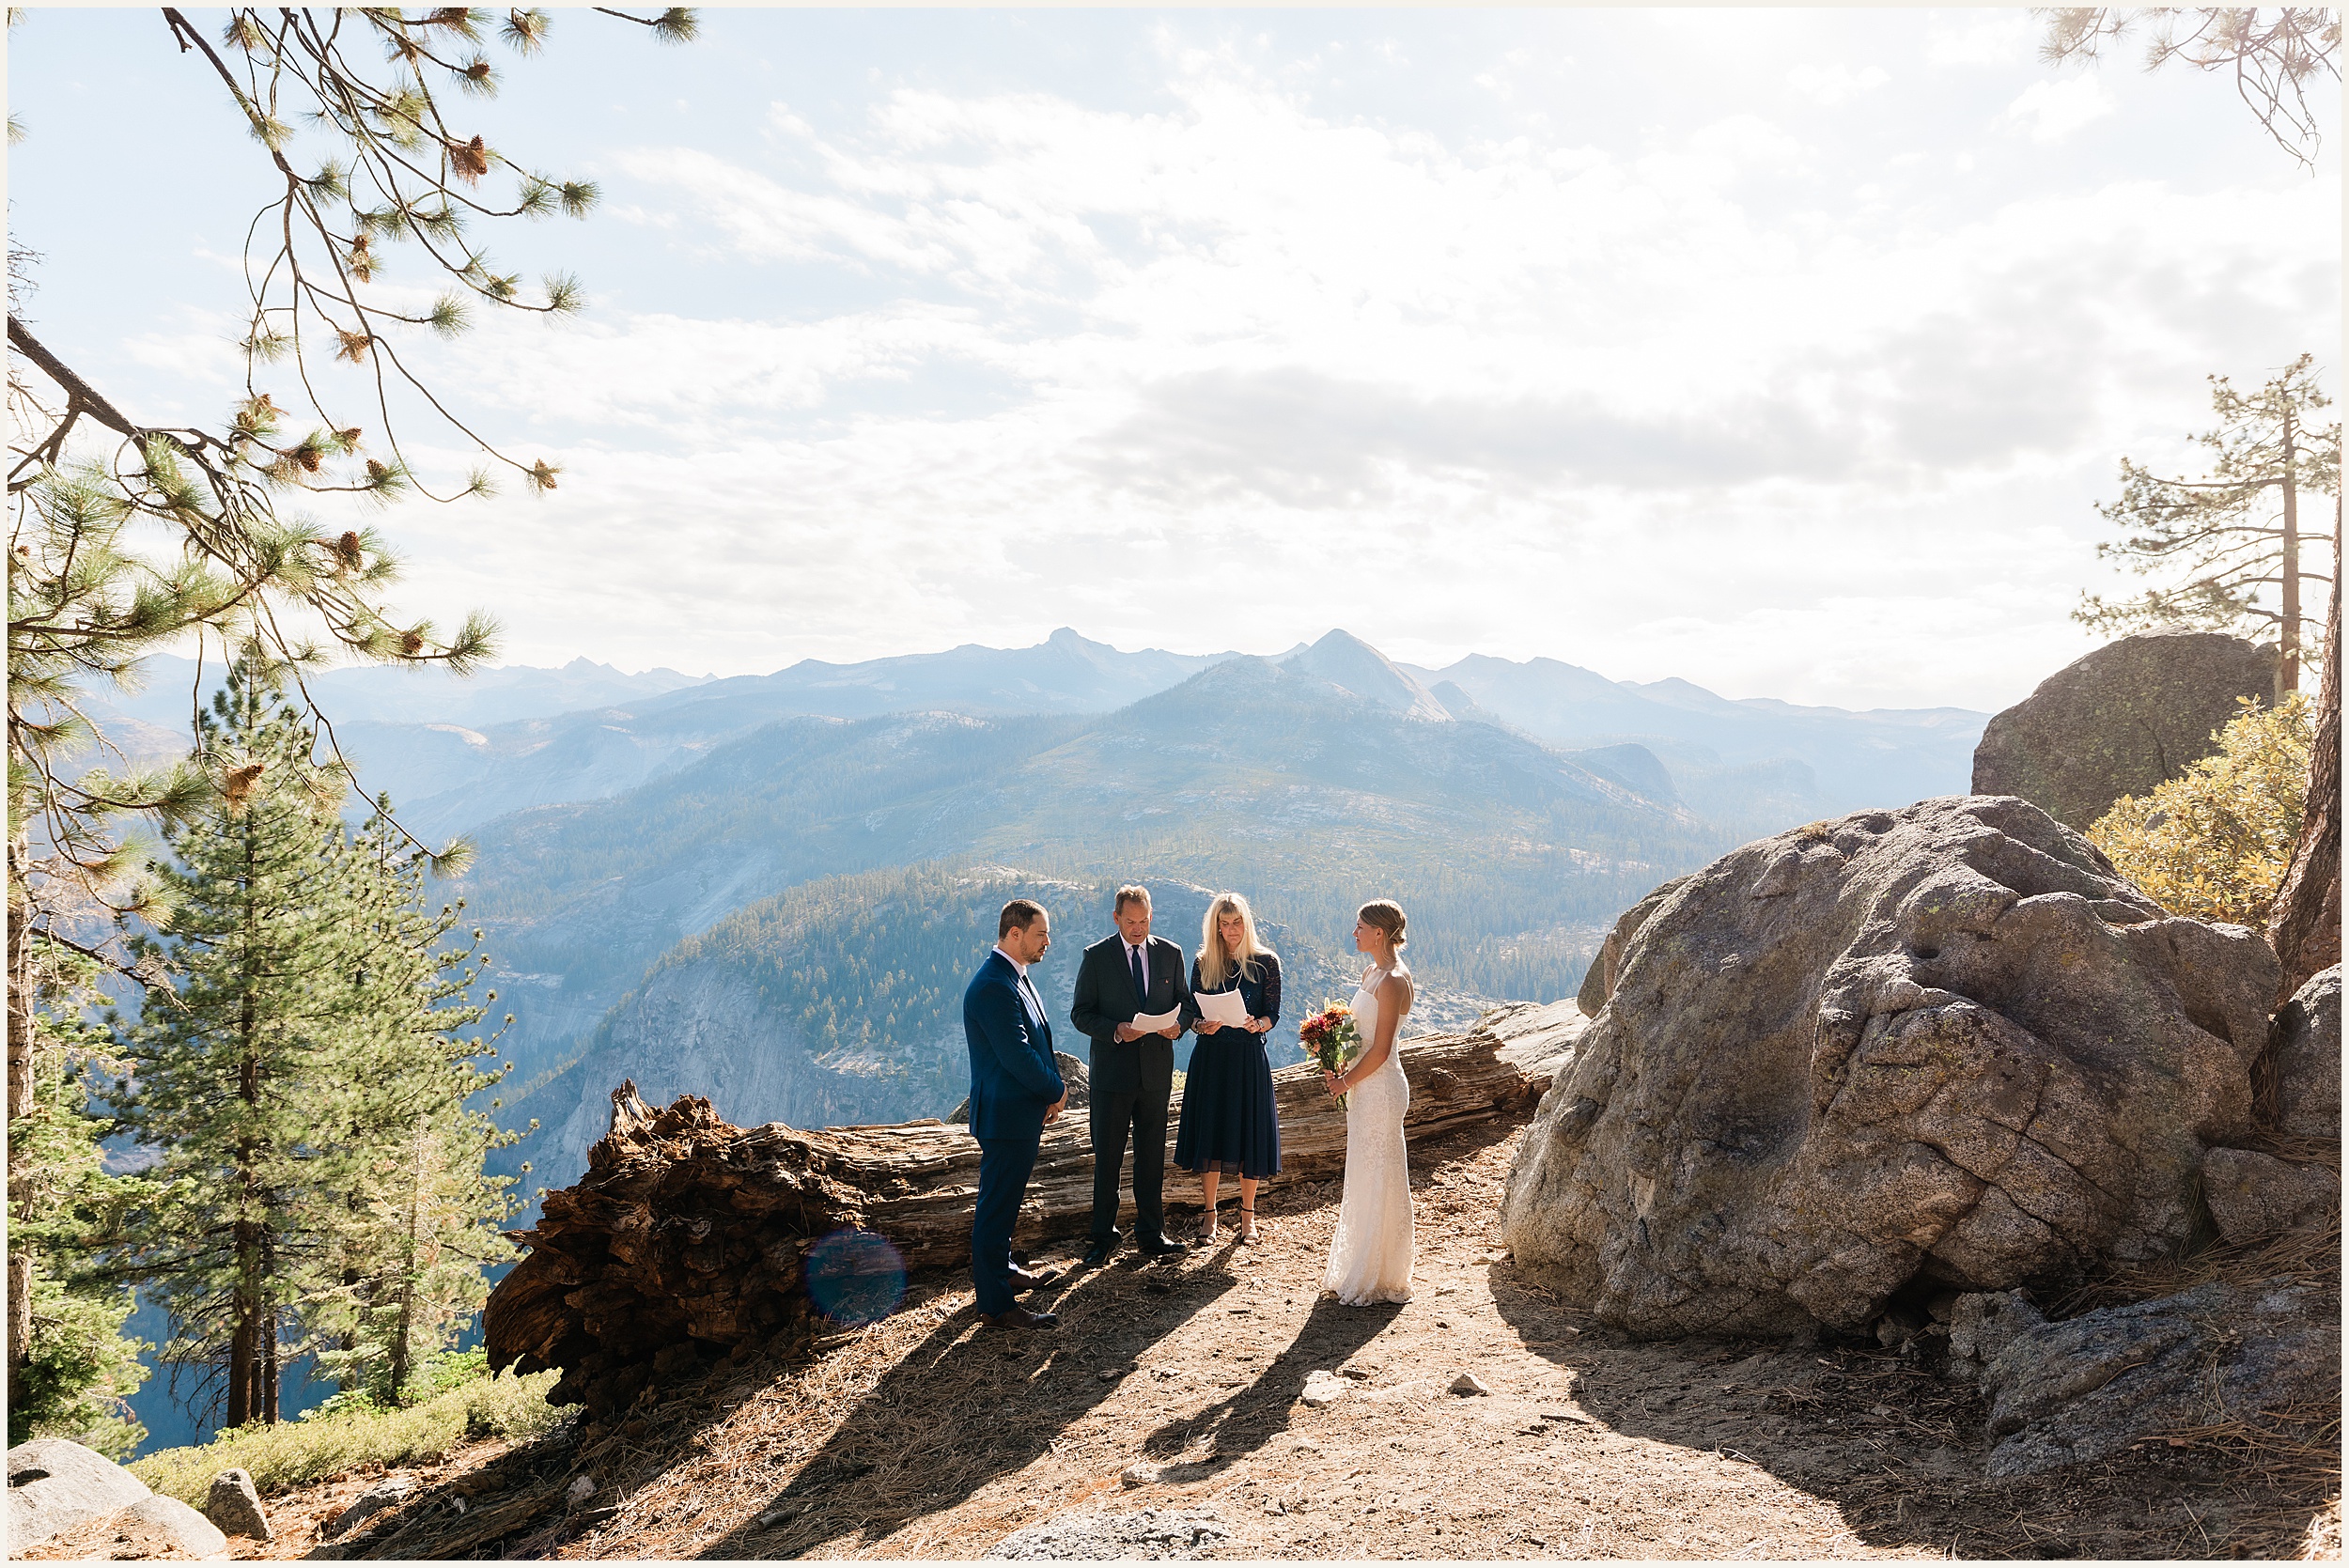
<point x="1599" y="979"/>
<point x="2118" y="722"/>
<point x="159" y="1523"/>
<point x="2089" y="1387"/>
<point x="1946" y="1043"/>
<point x="2253" y="1195"/>
<point x="54" y="1485"/>
<point x="2307" y="1045"/>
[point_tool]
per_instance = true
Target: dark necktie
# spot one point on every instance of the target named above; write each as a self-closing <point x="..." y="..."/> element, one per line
<point x="1141" y="981"/>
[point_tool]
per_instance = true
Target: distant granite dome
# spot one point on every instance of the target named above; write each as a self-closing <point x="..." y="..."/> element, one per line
<point x="1346" y="660"/>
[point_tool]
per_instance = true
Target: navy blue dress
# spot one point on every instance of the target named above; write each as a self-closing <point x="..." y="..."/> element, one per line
<point x="1229" y="1124"/>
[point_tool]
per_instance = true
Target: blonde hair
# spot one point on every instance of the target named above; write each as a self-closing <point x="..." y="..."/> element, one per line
<point x="1214" y="963"/>
<point x="1384" y="916"/>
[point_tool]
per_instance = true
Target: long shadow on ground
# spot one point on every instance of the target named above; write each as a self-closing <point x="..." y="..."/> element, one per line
<point x="1901" y="1451"/>
<point x="966" y="1406"/>
<point x="1252" y="1415"/>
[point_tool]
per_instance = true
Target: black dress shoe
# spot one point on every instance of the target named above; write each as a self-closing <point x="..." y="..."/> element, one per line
<point x="1033" y="1279"/>
<point x="1098" y="1253"/>
<point x="1019" y="1317"/>
<point x="1162" y="1246"/>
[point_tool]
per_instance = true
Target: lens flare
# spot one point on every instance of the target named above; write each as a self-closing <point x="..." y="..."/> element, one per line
<point x="855" y="1277"/>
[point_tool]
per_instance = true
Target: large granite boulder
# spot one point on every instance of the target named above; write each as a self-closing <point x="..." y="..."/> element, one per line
<point x="2253" y="1195"/>
<point x="2306" y="1047"/>
<point x="1944" y="1044"/>
<point x="55" y="1484"/>
<point x="1599" y="979"/>
<point x="2092" y="1385"/>
<point x="2119" y="720"/>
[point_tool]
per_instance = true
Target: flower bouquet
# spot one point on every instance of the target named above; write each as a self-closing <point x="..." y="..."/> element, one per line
<point x="1331" y="1038"/>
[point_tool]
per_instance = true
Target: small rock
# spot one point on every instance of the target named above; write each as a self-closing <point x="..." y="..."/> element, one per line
<point x="235" y="1505"/>
<point x="775" y="1517"/>
<point x="1469" y="1383"/>
<point x="1140" y="1473"/>
<point x="1322" y="1389"/>
<point x="579" y="1490"/>
<point x="1108" y="1537"/>
<point x="2253" y="1195"/>
<point x="1360" y="1374"/>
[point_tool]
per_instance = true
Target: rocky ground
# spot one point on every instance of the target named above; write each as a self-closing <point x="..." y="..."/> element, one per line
<point x="1167" y="1417"/>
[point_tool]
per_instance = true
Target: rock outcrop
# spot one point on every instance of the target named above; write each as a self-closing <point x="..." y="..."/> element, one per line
<point x="2118" y="722"/>
<point x="2307" y="1050"/>
<point x="55" y="1484"/>
<point x="1946" y="1043"/>
<point x="2266" y="1354"/>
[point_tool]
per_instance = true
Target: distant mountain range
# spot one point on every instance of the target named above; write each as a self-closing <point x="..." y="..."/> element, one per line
<point x="622" y="818"/>
<point x="455" y="754"/>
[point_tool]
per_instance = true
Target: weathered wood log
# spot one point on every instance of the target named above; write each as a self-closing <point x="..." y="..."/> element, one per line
<point x="687" y="1237"/>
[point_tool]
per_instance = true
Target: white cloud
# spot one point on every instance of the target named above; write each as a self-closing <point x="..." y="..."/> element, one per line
<point x="2003" y="37"/>
<point x="1833" y="84"/>
<point x="2050" y="111"/>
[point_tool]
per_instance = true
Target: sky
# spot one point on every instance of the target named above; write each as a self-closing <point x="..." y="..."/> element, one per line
<point x="1785" y="351"/>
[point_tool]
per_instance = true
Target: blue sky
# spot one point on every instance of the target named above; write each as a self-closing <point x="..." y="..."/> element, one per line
<point x="1786" y="351"/>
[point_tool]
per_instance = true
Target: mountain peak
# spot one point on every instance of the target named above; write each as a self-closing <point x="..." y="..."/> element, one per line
<point x="1346" y="660"/>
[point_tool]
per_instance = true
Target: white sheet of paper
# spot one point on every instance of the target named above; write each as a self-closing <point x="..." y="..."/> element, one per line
<point x="1224" y="1008"/>
<point x="1150" y="1023"/>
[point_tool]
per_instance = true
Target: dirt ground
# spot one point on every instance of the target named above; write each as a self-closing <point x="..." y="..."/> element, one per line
<point x="923" y="1436"/>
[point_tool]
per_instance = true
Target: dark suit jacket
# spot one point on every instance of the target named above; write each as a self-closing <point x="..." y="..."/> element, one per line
<point x="1014" y="1080"/>
<point x="1105" y="999"/>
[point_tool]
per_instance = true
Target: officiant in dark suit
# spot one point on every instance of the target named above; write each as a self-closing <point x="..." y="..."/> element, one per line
<point x="1128" y="976"/>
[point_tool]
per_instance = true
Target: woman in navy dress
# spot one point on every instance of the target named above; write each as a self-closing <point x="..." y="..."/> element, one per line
<point x="1229" y="1126"/>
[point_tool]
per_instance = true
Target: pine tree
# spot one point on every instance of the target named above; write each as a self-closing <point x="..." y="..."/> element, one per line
<point x="238" y="1070"/>
<point x="82" y="1368"/>
<point x="2235" y="564"/>
<point x="424" y="1214"/>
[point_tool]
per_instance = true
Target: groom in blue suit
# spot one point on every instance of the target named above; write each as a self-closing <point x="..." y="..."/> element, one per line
<point x="1016" y="1089"/>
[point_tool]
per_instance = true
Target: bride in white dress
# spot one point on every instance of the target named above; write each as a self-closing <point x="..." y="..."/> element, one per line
<point x="1370" y="1258"/>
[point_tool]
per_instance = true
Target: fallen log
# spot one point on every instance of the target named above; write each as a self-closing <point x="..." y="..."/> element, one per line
<point x="689" y="1238"/>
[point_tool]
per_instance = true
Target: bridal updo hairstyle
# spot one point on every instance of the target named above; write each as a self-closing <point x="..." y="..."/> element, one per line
<point x="1214" y="963"/>
<point x="1384" y="916"/>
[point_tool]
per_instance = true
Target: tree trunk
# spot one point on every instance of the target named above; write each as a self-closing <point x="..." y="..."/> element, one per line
<point x="20" y="1090"/>
<point x="2288" y="641"/>
<point x="241" y="1354"/>
<point x="2304" y="924"/>
<point x="689" y="1235"/>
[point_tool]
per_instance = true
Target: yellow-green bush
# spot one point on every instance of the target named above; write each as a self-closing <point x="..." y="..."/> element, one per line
<point x="294" y="1453"/>
<point x="2215" y="842"/>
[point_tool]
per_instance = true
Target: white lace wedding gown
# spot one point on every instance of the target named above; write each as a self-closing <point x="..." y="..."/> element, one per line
<point x="1370" y="1258"/>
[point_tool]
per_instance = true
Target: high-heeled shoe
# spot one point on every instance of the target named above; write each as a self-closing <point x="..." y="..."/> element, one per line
<point x="1247" y="1225"/>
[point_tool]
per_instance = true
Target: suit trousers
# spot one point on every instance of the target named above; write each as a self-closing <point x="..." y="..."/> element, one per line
<point x="1004" y="1166"/>
<point x="1113" y="1118"/>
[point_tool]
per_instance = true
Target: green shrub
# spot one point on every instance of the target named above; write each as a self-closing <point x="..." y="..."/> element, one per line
<point x="349" y="1432"/>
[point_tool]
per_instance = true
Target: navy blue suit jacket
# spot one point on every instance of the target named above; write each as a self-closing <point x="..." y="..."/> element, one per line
<point x="1014" y="1080"/>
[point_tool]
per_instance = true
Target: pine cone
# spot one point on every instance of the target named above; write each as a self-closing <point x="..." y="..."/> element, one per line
<point x="240" y="782"/>
<point x="411" y="643"/>
<point x="470" y="159"/>
<point x="309" y="458"/>
<point x="346" y="548"/>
